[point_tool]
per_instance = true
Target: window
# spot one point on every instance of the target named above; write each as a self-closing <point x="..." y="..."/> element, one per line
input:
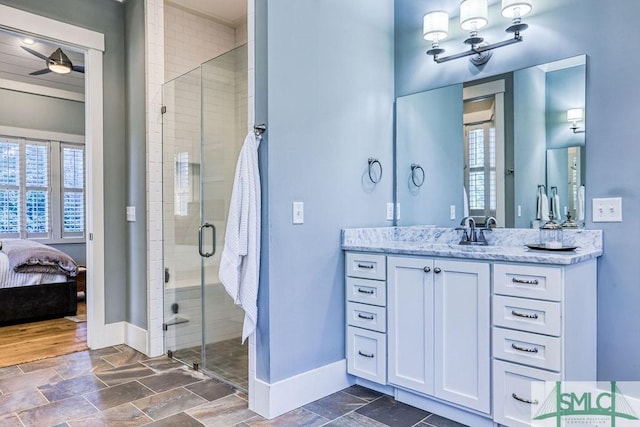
<point x="480" y="154"/>
<point x="41" y="189"/>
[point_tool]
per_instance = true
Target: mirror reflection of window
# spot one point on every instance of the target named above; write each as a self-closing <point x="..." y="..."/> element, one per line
<point x="181" y="183"/>
<point x="481" y="150"/>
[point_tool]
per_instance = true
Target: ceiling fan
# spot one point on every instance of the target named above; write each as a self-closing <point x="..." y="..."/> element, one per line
<point x="58" y="62"/>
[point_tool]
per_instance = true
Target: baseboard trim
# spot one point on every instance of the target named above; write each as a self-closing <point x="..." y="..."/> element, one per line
<point x="136" y="337"/>
<point x="272" y="400"/>
<point x="108" y="335"/>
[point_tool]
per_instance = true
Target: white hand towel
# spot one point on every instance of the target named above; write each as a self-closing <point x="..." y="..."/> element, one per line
<point x="555" y="207"/>
<point x="580" y="207"/>
<point x="465" y="202"/>
<point x="240" y="260"/>
<point x="544" y="207"/>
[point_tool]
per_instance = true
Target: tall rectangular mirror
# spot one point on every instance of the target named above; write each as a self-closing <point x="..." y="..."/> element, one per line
<point x="494" y="147"/>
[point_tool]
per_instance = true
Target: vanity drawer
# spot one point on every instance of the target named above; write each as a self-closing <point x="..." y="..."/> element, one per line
<point x="367" y="291"/>
<point x="367" y="316"/>
<point x="539" y="351"/>
<point x="367" y="354"/>
<point x="513" y="397"/>
<point x="541" y="317"/>
<point x="528" y="281"/>
<point x="366" y="266"/>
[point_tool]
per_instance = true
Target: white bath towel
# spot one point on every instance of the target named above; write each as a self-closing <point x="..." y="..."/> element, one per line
<point x="555" y="207"/>
<point x="580" y="207"/>
<point x="542" y="211"/>
<point x="240" y="260"/>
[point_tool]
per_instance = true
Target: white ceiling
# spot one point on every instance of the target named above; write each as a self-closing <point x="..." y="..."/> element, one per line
<point x="230" y="11"/>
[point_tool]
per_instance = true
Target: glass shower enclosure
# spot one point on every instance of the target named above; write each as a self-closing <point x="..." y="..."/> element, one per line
<point x="204" y="125"/>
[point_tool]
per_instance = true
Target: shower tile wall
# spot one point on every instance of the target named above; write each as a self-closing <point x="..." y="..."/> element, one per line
<point x="189" y="41"/>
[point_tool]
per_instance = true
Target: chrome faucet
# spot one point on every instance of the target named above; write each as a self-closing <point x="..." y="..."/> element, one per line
<point x="470" y="236"/>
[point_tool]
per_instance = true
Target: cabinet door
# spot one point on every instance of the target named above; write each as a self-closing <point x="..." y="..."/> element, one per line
<point x="462" y="333"/>
<point x="410" y="323"/>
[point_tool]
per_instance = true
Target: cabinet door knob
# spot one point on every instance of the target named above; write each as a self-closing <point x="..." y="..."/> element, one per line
<point x="427" y="269"/>
<point x="437" y="270"/>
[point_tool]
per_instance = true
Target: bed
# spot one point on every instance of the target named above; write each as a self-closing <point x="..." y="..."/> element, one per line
<point x="36" y="282"/>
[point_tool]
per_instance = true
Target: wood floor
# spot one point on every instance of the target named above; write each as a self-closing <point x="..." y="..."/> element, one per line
<point x="39" y="340"/>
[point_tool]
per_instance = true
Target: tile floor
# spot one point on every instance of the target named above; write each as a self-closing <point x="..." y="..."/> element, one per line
<point x="228" y="359"/>
<point x="118" y="386"/>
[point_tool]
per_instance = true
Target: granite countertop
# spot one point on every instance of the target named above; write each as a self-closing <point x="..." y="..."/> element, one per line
<point x="504" y="244"/>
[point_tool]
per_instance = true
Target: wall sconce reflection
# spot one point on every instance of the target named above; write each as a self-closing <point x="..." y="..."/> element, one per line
<point x="575" y="115"/>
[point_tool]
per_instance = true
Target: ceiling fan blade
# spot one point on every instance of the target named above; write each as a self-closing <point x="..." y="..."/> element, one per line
<point x="39" y="72"/>
<point x="78" y="68"/>
<point x="35" y="53"/>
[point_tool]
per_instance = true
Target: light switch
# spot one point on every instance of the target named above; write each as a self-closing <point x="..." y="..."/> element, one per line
<point x="607" y="210"/>
<point x="131" y="213"/>
<point x="298" y="212"/>
<point x="389" y="211"/>
<point x="452" y="212"/>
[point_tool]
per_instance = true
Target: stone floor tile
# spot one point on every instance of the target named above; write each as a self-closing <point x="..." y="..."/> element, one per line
<point x="71" y="387"/>
<point x="335" y="405"/>
<point x="117" y="395"/>
<point x="21" y="400"/>
<point x="168" y="403"/>
<point x="354" y="419"/>
<point x="363" y="392"/>
<point x="393" y="413"/>
<point x="81" y="364"/>
<point x="211" y="389"/>
<point x="224" y="412"/>
<point x="125" y="415"/>
<point x="53" y="414"/>
<point x="177" y="420"/>
<point x="297" y="417"/>
<point x="438" y="421"/>
<point x="126" y="356"/>
<point x="30" y="380"/>
<point x="10" y="420"/>
<point x="124" y="374"/>
<point x="10" y="371"/>
<point x="175" y="378"/>
<point x="161" y="363"/>
<point x="52" y="362"/>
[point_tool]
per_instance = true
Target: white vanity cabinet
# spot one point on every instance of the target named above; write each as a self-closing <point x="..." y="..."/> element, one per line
<point x="544" y="329"/>
<point x="439" y="328"/>
<point x="366" y="311"/>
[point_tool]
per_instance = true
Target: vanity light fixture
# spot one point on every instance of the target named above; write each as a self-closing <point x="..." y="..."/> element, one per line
<point x="474" y="16"/>
<point x="575" y="115"/>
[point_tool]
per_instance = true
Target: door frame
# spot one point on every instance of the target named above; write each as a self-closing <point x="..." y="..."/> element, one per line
<point x="92" y="45"/>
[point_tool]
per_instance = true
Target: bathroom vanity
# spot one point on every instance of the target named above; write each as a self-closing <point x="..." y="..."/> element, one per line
<point x="462" y="331"/>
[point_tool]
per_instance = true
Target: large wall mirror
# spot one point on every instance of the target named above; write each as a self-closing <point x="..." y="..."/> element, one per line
<point x="509" y="146"/>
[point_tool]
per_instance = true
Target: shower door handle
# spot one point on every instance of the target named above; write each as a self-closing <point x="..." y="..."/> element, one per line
<point x="200" y="240"/>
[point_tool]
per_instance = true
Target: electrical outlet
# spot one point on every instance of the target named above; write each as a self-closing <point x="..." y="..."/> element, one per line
<point x="519" y="211"/>
<point x="607" y="210"/>
<point x="397" y="211"/>
<point x="389" y="211"/>
<point x="131" y="213"/>
<point x="452" y="212"/>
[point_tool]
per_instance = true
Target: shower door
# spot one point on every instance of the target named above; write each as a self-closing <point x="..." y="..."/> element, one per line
<point x="205" y="113"/>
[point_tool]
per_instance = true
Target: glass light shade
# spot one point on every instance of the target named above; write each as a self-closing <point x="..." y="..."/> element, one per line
<point x="516" y="8"/>
<point x="28" y="41"/>
<point x="435" y="25"/>
<point x="473" y="14"/>
<point x="60" y="68"/>
<point x="574" y="115"/>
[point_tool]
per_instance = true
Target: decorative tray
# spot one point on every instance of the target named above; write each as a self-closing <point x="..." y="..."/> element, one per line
<point x="544" y="248"/>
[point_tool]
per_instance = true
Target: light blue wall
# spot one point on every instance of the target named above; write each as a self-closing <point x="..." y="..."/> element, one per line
<point x="107" y="17"/>
<point x="560" y="29"/>
<point x="329" y="108"/>
<point x="529" y="141"/>
<point x="424" y="136"/>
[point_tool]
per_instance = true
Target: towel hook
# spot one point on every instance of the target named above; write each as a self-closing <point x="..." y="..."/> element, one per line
<point x="259" y="129"/>
<point x="372" y="163"/>
<point x="417" y="177"/>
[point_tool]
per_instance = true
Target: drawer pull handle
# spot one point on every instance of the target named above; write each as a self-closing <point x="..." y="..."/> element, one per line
<point x="362" y="316"/>
<point x="527" y="350"/>
<point x="365" y="291"/>
<point x="370" y="356"/>
<point x="367" y="266"/>
<point x="526" y="316"/>
<point x="525" y="281"/>
<point x="523" y="400"/>
<point x="426" y="269"/>
<point x="437" y="270"/>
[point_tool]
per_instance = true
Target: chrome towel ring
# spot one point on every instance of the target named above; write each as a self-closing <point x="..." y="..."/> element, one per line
<point x="372" y="166"/>
<point x="417" y="175"/>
